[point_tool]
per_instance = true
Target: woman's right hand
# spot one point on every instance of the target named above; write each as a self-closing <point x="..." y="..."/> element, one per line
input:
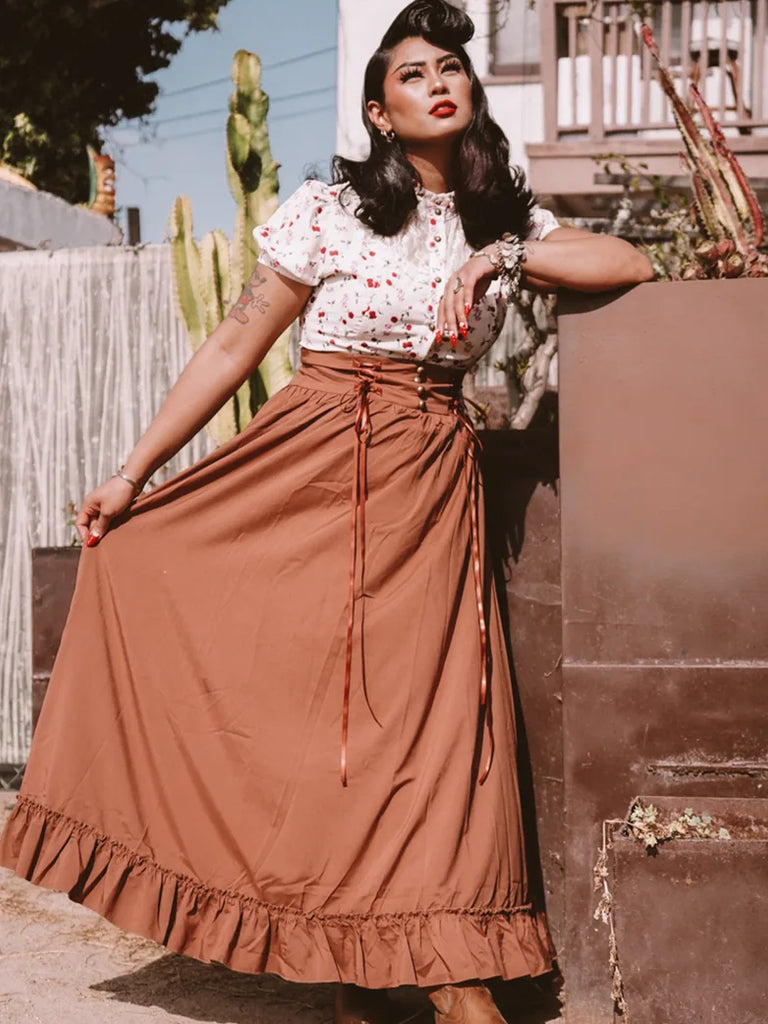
<point x="100" y="507"/>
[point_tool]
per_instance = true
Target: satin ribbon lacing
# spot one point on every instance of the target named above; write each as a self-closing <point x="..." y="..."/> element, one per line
<point x="472" y="473"/>
<point x="368" y="377"/>
<point x="367" y="373"/>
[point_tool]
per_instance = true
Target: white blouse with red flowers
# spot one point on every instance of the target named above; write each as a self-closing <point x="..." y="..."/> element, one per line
<point x="375" y="294"/>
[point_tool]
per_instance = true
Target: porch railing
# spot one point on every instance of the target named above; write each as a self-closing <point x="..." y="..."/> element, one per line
<point x="600" y="81"/>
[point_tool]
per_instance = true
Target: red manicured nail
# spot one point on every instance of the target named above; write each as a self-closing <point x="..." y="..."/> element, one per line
<point x="467" y="308"/>
<point x="93" y="538"/>
<point x="463" y="330"/>
<point x="453" y="339"/>
<point x="438" y="337"/>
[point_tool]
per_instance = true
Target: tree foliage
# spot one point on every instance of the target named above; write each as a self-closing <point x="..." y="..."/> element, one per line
<point x="72" y="67"/>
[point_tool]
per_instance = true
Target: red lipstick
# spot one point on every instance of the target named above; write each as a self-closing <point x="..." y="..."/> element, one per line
<point x="443" y="108"/>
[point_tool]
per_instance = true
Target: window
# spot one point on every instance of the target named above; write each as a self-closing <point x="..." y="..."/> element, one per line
<point x="515" y="38"/>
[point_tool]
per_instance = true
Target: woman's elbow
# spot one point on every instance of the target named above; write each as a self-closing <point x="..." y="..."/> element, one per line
<point x="641" y="267"/>
<point x="621" y="264"/>
<point x="635" y="267"/>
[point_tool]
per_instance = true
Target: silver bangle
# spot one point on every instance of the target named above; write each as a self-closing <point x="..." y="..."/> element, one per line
<point x="488" y="256"/>
<point x="128" y="480"/>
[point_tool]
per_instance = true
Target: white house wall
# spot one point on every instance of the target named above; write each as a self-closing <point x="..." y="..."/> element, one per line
<point x="362" y="23"/>
<point x="519" y="110"/>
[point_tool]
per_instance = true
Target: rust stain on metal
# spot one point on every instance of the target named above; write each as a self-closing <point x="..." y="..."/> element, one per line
<point x="752" y="769"/>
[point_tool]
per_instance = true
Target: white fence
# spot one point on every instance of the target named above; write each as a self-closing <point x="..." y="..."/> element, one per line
<point x="89" y="345"/>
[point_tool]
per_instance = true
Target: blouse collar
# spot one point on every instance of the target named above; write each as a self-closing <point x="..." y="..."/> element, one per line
<point x="443" y="199"/>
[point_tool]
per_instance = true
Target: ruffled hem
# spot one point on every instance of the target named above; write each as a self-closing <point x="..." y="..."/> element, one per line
<point x="422" y="948"/>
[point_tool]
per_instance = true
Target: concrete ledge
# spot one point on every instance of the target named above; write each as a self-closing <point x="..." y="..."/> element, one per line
<point x="30" y="219"/>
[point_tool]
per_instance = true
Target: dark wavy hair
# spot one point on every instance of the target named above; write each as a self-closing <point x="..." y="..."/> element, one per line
<point x="490" y="197"/>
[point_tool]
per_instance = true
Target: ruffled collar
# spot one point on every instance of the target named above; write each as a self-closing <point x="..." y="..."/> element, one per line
<point x="444" y="199"/>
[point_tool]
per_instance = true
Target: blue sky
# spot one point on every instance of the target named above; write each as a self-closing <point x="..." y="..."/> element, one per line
<point x="185" y="155"/>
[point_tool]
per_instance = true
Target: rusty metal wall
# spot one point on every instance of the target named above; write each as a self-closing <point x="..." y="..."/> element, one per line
<point x="520" y="470"/>
<point x="664" y="483"/>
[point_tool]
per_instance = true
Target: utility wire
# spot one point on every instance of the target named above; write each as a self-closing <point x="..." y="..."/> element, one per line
<point x="221" y="129"/>
<point x="219" y="110"/>
<point x="265" y="67"/>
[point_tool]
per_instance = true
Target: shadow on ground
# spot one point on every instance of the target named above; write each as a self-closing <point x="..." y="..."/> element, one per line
<point x="211" y="993"/>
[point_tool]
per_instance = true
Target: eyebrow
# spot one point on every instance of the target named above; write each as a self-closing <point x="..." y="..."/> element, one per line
<point x="422" y="63"/>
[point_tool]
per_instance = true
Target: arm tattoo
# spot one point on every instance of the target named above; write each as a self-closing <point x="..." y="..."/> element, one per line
<point x="250" y="299"/>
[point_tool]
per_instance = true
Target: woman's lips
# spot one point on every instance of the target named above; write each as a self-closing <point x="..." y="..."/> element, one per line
<point x="443" y="110"/>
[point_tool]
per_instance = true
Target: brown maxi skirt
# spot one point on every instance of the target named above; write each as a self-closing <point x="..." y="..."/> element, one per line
<point x="185" y="779"/>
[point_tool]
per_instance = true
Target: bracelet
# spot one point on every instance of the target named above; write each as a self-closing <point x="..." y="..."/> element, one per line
<point x="482" y="252"/>
<point x="128" y="480"/>
<point x="507" y="262"/>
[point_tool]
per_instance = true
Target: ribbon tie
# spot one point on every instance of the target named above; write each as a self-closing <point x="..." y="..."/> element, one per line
<point x="368" y="377"/>
<point x="473" y="480"/>
<point x="367" y="374"/>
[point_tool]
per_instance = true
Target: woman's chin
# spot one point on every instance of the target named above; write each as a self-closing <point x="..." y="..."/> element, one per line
<point x="443" y="129"/>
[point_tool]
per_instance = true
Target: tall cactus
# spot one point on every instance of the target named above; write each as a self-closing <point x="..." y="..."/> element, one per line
<point x="209" y="277"/>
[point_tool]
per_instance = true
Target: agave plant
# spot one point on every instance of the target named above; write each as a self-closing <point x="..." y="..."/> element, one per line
<point x="726" y="208"/>
<point x="210" y="276"/>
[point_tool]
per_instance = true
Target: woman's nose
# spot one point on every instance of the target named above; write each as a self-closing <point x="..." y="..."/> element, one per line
<point x="437" y="85"/>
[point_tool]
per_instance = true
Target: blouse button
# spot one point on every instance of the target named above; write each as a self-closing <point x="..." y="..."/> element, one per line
<point x="438" y="238"/>
<point x="421" y="390"/>
<point x="438" y="211"/>
<point x="423" y="405"/>
<point x="438" y="280"/>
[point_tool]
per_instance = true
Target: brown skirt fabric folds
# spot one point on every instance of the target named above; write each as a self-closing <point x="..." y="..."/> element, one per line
<point x="185" y="776"/>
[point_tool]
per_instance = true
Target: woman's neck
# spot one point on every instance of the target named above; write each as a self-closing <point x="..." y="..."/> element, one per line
<point x="435" y="169"/>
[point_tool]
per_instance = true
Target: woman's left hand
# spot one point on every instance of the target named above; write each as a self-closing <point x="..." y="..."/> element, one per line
<point x="464" y="288"/>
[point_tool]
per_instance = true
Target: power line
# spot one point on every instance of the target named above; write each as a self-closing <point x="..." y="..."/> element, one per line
<point x="221" y="129"/>
<point x="145" y="179"/>
<point x="265" y="67"/>
<point x="220" y="110"/>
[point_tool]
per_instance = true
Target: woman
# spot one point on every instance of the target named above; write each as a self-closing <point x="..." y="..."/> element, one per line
<point x="280" y="731"/>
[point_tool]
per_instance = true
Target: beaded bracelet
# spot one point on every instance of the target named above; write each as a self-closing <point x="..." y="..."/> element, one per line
<point x="507" y="262"/>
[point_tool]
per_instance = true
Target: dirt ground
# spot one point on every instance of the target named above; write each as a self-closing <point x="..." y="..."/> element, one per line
<point x="63" y="964"/>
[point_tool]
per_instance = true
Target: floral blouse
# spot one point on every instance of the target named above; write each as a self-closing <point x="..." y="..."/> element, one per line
<point x="378" y="295"/>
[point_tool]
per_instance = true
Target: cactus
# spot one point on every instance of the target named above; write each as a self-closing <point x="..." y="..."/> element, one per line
<point x="726" y="208"/>
<point x="209" y="277"/>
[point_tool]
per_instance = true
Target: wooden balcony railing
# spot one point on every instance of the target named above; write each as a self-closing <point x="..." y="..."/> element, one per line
<point x="600" y="81"/>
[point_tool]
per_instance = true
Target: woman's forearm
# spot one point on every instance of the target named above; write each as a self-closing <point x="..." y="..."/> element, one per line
<point x="584" y="262"/>
<point x="229" y="355"/>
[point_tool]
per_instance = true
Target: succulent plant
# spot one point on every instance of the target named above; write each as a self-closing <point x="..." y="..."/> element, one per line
<point x="726" y="208"/>
<point x="210" y="276"/>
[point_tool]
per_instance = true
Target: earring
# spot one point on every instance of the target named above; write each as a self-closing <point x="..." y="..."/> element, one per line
<point x="389" y="136"/>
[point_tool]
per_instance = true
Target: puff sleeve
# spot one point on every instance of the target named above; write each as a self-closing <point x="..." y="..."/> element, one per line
<point x="542" y="222"/>
<point x="294" y="239"/>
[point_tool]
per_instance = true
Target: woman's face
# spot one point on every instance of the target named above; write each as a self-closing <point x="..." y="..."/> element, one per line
<point x="427" y="95"/>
